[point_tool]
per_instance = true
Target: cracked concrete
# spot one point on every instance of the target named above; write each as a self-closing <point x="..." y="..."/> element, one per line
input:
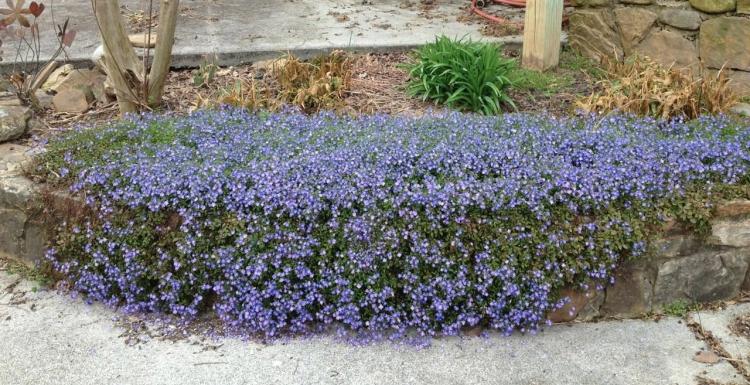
<point x="49" y="338"/>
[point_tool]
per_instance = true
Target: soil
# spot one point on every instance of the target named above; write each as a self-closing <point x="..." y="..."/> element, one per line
<point x="377" y="86"/>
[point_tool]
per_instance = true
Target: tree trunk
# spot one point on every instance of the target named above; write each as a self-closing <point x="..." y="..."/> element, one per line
<point x="123" y="66"/>
<point x="163" y="53"/>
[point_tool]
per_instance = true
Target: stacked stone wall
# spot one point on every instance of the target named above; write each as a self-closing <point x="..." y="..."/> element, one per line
<point x="703" y="34"/>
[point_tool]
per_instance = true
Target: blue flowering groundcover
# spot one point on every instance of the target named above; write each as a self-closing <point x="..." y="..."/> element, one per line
<point x="285" y="223"/>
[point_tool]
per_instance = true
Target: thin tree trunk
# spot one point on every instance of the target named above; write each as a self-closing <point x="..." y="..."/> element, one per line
<point x="123" y="66"/>
<point x="163" y="53"/>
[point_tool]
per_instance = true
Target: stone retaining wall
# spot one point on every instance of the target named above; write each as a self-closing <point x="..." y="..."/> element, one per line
<point x="684" y="268"/>
<point x="21" y="231"/>
<point x="685" y="33"/>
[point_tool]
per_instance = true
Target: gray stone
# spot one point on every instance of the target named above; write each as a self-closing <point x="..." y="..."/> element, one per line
<point x="714" y="6"/>
<point x="703" y="277"/>
<point x="676" y="246"/>
<point x="669" y="48"/>
<point x="739" y="81"/>
<point x="11" y="231"/>
<point x="16" y="191"/>
<point x="681" y="18"/>
<point x="592" y="309"/>
<point x="43" y="98"/>
<point x="724" y="43"/>
<point x="634" y="24"/>
<point x="14" y="121"/>
<point x="632" y="293"/>
<point x="34" y="241"/>
<point x="741" y="109"/>
<point x="592" y="33"/>
<point x="733" y="233"/>
<point x="743" y="7"/>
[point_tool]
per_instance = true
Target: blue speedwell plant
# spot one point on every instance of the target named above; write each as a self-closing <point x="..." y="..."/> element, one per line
<point x="282" y="223"/>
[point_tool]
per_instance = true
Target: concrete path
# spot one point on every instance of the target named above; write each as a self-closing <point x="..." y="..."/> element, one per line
<point x="240" y="31"/>
<point x="47" y="338"/>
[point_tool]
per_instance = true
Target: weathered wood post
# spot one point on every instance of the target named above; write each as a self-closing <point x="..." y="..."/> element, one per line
<point x="541" y="34"/>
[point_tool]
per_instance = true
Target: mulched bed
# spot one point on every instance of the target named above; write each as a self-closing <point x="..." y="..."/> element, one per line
<point x="377" y="86"/>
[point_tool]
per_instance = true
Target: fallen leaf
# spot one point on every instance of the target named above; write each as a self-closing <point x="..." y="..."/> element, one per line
<point x="706" y="357"/>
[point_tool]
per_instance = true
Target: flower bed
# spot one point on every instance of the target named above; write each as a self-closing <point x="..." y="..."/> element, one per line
<point x="282" y="223"/>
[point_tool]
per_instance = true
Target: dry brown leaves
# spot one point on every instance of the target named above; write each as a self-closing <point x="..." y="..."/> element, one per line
<point x="741" y="326"/>
<point x="643" y="87"/>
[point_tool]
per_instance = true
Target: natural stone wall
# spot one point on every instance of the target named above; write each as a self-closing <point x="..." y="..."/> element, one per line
<point x="683" y="266"/>
<point x="21" y="229"/>
<point x="715" y="33"/>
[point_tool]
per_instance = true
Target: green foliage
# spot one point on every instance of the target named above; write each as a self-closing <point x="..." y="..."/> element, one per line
<point x="205" y="73"/>
<point x="39" y="276"/>
<point x="679" y="308"/>
<point x="546" y="82"/>
<point x="462" y="74"/>
<point x="90" y="145"/>
<point x="574" y="61"/>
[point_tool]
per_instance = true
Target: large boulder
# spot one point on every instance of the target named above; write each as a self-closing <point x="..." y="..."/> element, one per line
<point x="714" y="6"/>
<point x="706" y="276"/>
<point x="681" y="18"/>
<point x="592" y="33"/>
<point x="669" y="48"/>
<point x="634" y="24"/>
<point x="14" y="121"/>
<point x="725" y="41"/>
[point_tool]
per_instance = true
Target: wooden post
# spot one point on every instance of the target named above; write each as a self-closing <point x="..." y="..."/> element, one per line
<point x="541" y="34"/>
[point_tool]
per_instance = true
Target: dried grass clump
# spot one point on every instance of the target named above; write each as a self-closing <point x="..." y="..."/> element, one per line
<point x="644" y="87"/>
<point x="249" y="94"/>
<point x="320" y="83"/>
<point x="314" y="85"/>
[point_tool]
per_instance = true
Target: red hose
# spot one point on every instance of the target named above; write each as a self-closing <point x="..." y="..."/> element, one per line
<point x="512" y="3"/>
